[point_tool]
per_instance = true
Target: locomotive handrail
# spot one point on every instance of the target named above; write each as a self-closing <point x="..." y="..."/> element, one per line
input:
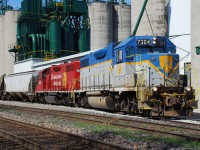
<point x="140" y="86"/>
<point x="198" y="87"/>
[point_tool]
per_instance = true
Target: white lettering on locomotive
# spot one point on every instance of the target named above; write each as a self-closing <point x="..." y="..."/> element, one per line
<point x="55" y="77"/>
<point x="57" y="83"/>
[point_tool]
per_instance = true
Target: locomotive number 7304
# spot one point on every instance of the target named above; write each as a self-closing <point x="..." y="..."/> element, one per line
<point x="144" y="42"/>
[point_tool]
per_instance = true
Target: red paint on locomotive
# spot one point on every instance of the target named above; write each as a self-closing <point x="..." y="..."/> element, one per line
<point x="60" y="78"/>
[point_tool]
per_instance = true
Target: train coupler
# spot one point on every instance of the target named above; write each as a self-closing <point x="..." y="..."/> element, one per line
<point x="193" y="103"/>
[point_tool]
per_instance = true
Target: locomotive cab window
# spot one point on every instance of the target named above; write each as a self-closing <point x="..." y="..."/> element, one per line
<point x="130" y="53"/>
<point x="119" y="56"/>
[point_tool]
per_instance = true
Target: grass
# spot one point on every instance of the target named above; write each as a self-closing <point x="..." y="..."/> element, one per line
<point x="137" y="135"/>
<point x="3" y="109"/>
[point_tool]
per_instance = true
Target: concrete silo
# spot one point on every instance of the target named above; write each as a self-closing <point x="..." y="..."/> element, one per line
<point x="195" y="42"/>
<point x="10" y="38"/>
<point x="122" y="22"/>
<point x="157" y="11"/>
<point x="2" y="45"/>
<point x="101" y="23"/>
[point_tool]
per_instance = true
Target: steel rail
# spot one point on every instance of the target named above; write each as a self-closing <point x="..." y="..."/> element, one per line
<point x="44" y="138"/>
<point x="180" y="129"/>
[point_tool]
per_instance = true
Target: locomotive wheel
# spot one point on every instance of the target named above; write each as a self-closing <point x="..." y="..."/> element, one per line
<point x="58" y="100"/>
<point x="67" y="101"/>
<point x="9" y="97"/>
<point x="31" y="98"/>
<point x="147" y="113"/>
<point x="42" y="100"/>
<point x="83" y="102"/>
<point x="1" y="97"/>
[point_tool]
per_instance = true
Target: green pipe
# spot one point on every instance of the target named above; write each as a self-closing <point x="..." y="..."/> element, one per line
<point x="18" y="30"/>
<point x="41" y="44"/>
<point x="44" y="44"/>
<point x="38" y="42"/>
<point x="33" y="37"/>
<point x="44" y="36"/>
<point x="139" y="18"/>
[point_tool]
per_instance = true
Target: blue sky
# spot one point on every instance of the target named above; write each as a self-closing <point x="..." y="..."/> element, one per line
<point x="15" y="3"/>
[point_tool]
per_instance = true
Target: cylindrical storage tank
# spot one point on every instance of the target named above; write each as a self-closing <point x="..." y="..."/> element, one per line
<point x="65" y="7"/>
<point x="26" y="7"/>
<point x="38" y="6"/>
<point x="33" y="6"/>
<point x="29" y="6"/>
<point x="122" y="22"/>
<point x="68" y="41"/>
<point x="83" y="41"/>
<point x="22" y="7"/>
<point x="55" y="37"/>
<point x="157" y="14"/>
<point x="101" y="23"/>
<point x="10" y="38"/>
<point x="2" y="45"/>
<point x="18" y="30"/>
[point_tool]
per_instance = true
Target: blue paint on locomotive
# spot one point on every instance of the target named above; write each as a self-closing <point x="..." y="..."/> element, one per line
<point x="149" y="48"/>
<point x="136" y="49"/>
<point x="97" y="57"/>
<point x="139" y="45"/>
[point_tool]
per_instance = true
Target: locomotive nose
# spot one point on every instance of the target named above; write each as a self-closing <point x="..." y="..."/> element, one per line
<point x="166" y="63"/>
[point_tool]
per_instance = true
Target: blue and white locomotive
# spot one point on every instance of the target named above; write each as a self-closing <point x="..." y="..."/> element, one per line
<point x="138" y="75"/>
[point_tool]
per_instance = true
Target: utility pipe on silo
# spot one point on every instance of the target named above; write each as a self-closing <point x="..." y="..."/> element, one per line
<point x="41" y="44"/>
<point x="33" y="37"/>
<point x="139" y="18"/>
<point x="44" y="42"/>
<point x="44" y="38"/>
<point x="38" y="42"/>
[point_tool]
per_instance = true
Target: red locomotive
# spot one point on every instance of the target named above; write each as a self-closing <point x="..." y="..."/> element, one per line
<point x="57" y="83"/>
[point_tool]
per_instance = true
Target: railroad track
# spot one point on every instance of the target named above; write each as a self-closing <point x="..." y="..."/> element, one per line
<point x="6" y="144"/>
<point x="178" y="129"/>
<point x="29" y="136"/>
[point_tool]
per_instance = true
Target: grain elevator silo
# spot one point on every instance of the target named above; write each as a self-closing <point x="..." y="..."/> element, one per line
<point x="156" y="13"/>
<point x="2" y="45"/>
<point x="10" y="38"/>
<point x="195" y="48"/>
<point x="101" y="23"/>
<point x="122" y="22"/>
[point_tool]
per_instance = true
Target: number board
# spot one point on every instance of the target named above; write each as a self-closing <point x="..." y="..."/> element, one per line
<point x="143" y="42"/>
<point x="160" y="42"/>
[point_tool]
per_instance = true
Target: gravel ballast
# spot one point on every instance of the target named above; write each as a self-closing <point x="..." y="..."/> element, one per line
<point x="68" y="126"/>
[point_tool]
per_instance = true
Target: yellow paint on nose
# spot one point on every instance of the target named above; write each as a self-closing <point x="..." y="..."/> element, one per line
<point x="166" y="63"/>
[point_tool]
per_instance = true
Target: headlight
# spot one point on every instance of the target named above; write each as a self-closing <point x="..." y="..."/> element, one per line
<point x="154" y="42"/>
<point x="188" y="89"/>
<point x="155" y="89"/>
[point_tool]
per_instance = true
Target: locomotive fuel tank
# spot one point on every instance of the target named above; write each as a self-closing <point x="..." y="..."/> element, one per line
<point x="102" y="102"/>
<point x="97" y="99"/>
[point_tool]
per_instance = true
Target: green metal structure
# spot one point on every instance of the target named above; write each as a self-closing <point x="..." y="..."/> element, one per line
<point x="51" y="29"/>
<point x="55" y="36"/>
